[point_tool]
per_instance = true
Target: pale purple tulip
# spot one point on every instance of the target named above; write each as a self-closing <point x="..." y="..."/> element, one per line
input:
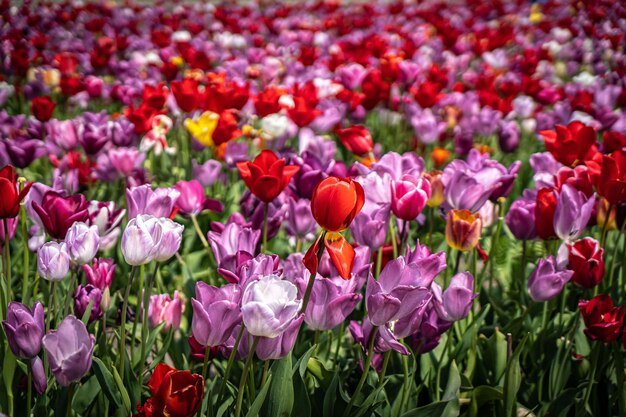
<point x="456" y="301"/>
<point x="24" y="329"/>
<point x="107" y="218"/>
<point x="279" y="346"/>
<point x="40" y="382"/>
<point x="141" y="239"/>
<point x="216" y="312"/>
<point x="82" y="242"/>
<point x="208" y="173"/>
<point x="299" y="220"/>
<point x="171" y="238"/>
<point x="573" y="210"/>
<point x="547" y="280"/>
<point x="143" y="200"/>
<point x="53" y="261"/>
<point x="329" y="305"/>
<point x="370" y="229"/>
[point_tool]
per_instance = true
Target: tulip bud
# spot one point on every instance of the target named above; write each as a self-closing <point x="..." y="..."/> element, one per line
<point x="409" y="196"/>
<point x="215" y="313"/>
<point x="463" y="229"/>
<point x="100" y="275"/>
<point x="457" y="298"/>
<point x="40" y="382"/>
<point x="53" y="261"/>
<point x="267" y="176"/>
<point x="436" y="188"/>
<point x="547" y="281"/>
<point x="82" y="242"/>
<point x="585" y="259"/>
<point x="520" y="219"/>
<point x="171" y="237"/>
<point x="336" y="202"/>
<point x="357" y="139"/>
<point x="24" y="329"/>
<point x="164" y="309"/>
<point x="82" y="298"/>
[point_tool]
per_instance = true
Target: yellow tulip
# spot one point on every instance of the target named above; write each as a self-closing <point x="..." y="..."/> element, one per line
<point x="202" y="129"/>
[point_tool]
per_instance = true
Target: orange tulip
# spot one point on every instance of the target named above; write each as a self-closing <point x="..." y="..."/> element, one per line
<point x="463" y="229"/>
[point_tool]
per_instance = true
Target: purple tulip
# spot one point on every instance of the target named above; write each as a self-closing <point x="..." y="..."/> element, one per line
<point x="572" y="212"/>
<point x="269" y="305"/>
<point x="509" y="136"/>
<point x="232" y="240"/>
<point x="397" y="165"/>
<point x="121" y="132"/>
<point x="171" y="238"/>
<point x="24" y="329"/>
<point x="351" y="75"/>
<point x="58" y="213"/>
<point x="141" y="239"/>
<point x="384" y="341"/>
<point x="520" y="218"/>
<point x="62" y="133"/>
<point x="82" y="242"/>
<point x="463" y="191"/>
<point x="82" y="298"/>
<point x="329" y="304"/>
<point x="92" y="133"/>
<point x="545" y="167"/>
<point x="456" y="301"/>
<point x="192" y="200"/>
<point x="157" y="203"/>
<point x="53" y="261"/>
<point x="40" y="382"/>
<point x="101" y="274"/>
<point x="165" y="309"/>
<point x="370" y="229"/>
<point x="430" y="331"/>
<point x="124" y="161"/>
<point x="399" y="291"/>
<point x="208" y="173"/>
<point x="216" y="312"/>
<point x="107" y="218"/>
<point x="300" y="222"/>
<point x="22" y="151"/>
<point x="547" y="280"/>
<point x="253" y="209"/>
<point x="409" y="196"/>
<point x="279" y="346"/>
<point x="69" y="351"/>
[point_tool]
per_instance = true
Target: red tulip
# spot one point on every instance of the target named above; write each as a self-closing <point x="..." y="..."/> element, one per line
<point x="42" y="108"/>
<point x="10" y="201"/>
<point x="226" y="129"/>
<point x="267" y="101"/>
<point x="58" y="213"/>
<point x="611" y="183"/>
<point x="266" y="176"/>
<point x="303" y="112"/>
<point x="544" y="213"/>
<point x="174" y="393"/>
<point x="614" y="141"/>
<point x="570" y="144"/>
<point x="603" y="321"/>
<point x="585" y="259"/>
<point x="186" y="94"/>
<point x="357" y="139"/>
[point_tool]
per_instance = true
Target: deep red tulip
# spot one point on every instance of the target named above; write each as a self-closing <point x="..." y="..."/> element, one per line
<point x="186" y="94"/>
<point x="611" y="183"/>
<point x="544" y="213"/>
<point x="585" y="259"/>
<point x="58" y="213"/>
<point x="267" y="101"/>
<point x="357" y="139"/>
<point x="227" y="128"/>
<point x="11" y="199"/>
<point x="570" y="144"/>
<point x="42" y="108"/>
<point x="266" y="176"/>
<point x="614" y="141"/>
<point x="603" y="321"/>
<point x="174" y="393"/>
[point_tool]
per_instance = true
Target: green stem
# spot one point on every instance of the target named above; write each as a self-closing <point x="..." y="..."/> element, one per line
<point x="25" y="259"/>
<point x="266" y="367"/>
<point x="298" y="245"/>
<point x="70" y="291"/>
<point x="70" y="397"/>
<point x="339" y="338"/>
<point x="29" y="392"/>
<point x="383" y="370"/>
<point x="144" y="322"/>
<point x="138" y="312"/>
<point x="266" y="211"/>
<point x="229" y="365"/>
<point x="122" y="341"/>
<point x="51" y="308"/>
<point x="592" y="375"/>
<point x="244" y="376"/>
<point x="392" y="232"/>
<point x="379" y="262"/>
<point x="604" y="226"/>
<point x="366" y="368"/>
<point x="309" y="286"/>
<point x="196" y="225"/>
<point x="205" y="365"/>
<point x="619" y="373"/>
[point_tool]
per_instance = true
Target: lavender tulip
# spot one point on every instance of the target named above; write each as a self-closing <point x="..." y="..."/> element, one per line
<point x="143" y="200"/>
<point x="216" y="312"/>
<point x="208" y="173"/>
<point x="430" y="331"/>
<point x="456" y="301"/>
<point x="69" y="351"/>
<point x="84" y="296"/>
<point x="231" y="239"/>
<point x="547" y="280"/>
<point x="171" y="237"/>
<point x="53" y="261"/>
<point x="141" y="239"/>
<point x="40" y="382"/>
<point x="82" y="242"/>
<point x="101" y="273"/>
<point x="269" y="305"/>
<point x="299" y="222"/>
<point x="520" y="218"/>
<point x="384" y="341"/>
<point x="329" y="305"/>
<point x="279" y="346"/>
<point x="24" y="329"/>
<point x="370" y="229"/>
<point x="572" y="213"/>
<point x="463" y="191"/>
<point x="165" y="309"/>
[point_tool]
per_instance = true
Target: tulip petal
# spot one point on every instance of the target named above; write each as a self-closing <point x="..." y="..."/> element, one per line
<point x="341" y="253"/>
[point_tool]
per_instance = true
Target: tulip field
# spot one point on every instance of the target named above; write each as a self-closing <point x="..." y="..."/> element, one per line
<point x="313" y="208"/>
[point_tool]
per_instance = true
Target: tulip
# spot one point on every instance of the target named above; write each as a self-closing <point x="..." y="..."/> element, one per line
<point x="585" y="259"/>
<point x="357" y="139"/>
<point x="603" y="321"/>
<point x="24" y="329"/>
<point x="279" y="346"/>
<point x="82" y="242"/>
<point x="192" y="200"/>
<point x="58" y="213"/>
<point x="267" y="176"/>
<point x="186" y="94"/>
<point x="69" y="351"/>
<point x="84" y="296"/>
<point x="174" y="393"/>
<point x="456" y="300"/>
<point x="11" y="198"/>
<point x="208" y="173"/>
<point x="611" y="182"/>
<point x="463" y="229"/>
<point x="400" y="290"/>
<point x="107" y="218"/>
<point x="171" y="238"/>
<point x="233" y="242"/>
<point x="164" y="309"/>
<point x="409" y="196"/>
<point x="464" y="192"/>
<point x="141" y="239"/>
<point x="384" y="340"/>
<point x="371" y="229"/>
<point x="300" y="222"/>
<point x="42" y="108"/>
<point x="157" y="203"/>
<point x="520" y="219"/>
<point x="269" y="305"/>
<point x="203" y="128"/>
<point x="569" y="144"/>
<point x="53" y="261"/>
<point x="125" y="161"/>
<point x="101" y="273"/>
<point x="216" y="312"/>
<point x="329" y="305"/>
<point x="40" y="382"/>
<point x="436" y="188"/>
<point x="547" y="280"/>
<point x="545" y="208"/>
<point x="430" y="331"/>
<point x="572" y="213"/>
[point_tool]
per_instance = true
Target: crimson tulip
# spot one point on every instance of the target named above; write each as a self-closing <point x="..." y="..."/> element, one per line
<point x="585" y="259"/>
<point x="544" y="213"/>
<point x="186" y="94"/>
<point x="58" y="213"/>
<point x="570" y="144"/>
<point x="266" y="176"/>
<point x="357" y="139"/>
<point x="11" y="198"/>
<point x="611" y="183"/>
<point x="603" y="321"/>
<point x="42" y="108"/>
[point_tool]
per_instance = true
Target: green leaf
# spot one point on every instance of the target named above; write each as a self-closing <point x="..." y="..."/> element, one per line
<point x="85" y="395"/>
<point x="482" y="395"/>
<point x="137" y="359"/>
<point x="280" y="401"/>
<point x="331" y="396"/>
<point x="87" y="313"/>
<point x="303" y="362"/>
<point x="512" y="381"/>
<point x="260" y="399"/>
<point x="449" y="406"/>
<point x="301" y="397"/>
<point x="8" y="372"/>
<point x="107" y="383"/>
<point x="122" y="389"/>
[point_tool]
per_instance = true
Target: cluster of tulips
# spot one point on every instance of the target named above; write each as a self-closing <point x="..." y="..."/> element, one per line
<point x="312" y="209"/>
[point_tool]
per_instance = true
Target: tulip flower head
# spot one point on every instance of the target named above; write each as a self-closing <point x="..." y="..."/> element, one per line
<point x="11" y="195"/>
<point x="603" y="321"/>
<point x="203" y="128"/>
<point x="267" y="176"/>
<point x="463" y="229"/>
